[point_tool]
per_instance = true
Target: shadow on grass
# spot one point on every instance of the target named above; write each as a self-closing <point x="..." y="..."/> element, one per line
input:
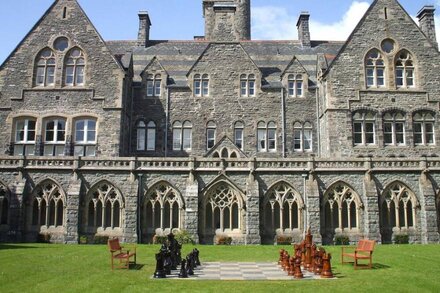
<point x="136" y="267"/>
<point x="375" y="266"/>
<point x="15" y="246"/>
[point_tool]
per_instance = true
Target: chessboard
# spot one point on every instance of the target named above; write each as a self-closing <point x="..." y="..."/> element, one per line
<point x="240" y="271"/>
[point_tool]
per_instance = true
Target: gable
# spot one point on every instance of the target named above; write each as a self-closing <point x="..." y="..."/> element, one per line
<point x="294" y="66"/>
<point x="225" y="148"/>
<point x="153" y="67"/>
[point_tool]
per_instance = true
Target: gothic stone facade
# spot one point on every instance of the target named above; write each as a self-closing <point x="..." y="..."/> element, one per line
<point x="222" y="135"/>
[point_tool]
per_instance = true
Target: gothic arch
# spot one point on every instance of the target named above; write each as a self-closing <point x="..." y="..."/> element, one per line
<point x="104" y="209"/>
<point x="341" y="211"/>
<point x="46" y="207"/>
<point x="222" y="211"/>
<point x="282" y="211"/>
<point x="398" y="210"/>
<point x="162" y="210"/>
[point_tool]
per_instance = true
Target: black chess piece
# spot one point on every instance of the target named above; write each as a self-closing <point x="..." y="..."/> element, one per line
<point x="166" y="259"/>
<point x="179" y="253"/>
<point x="159" y="273"/>
<point x="197" y="252"/>
<point x="189" y="268"/>
<point x="173" y="248"/>
<point x="183" y="273"/>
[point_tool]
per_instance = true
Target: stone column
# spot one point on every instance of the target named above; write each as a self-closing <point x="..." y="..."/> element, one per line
<point x="312" y="207"/>
<point x="371" y="211"/>
<point x="132" y="194"/>
<point x="73" y="211"/>
<point x="252" y="212"/>
<point x="428" y="212"/>
<point x="191" y="198"/>
<point x="17" y="212"/>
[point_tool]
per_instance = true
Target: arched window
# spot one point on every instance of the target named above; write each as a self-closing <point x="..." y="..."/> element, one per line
<point x="247" y="85"/>
<point x="364" y="128"/>
<point x="266" y="137"/>
<point x="54" y="137"/>
<point x="45" y="68"/>
<point x="404" y="70"/>
<point x="201" y="85"/>
<point x="162" y="208"/>
<point x="239" y="134"/>
<point x="105" y="206"/>
<point x="154" y="85"/>
<point x="4" y="205"/>
<point x="424" y="133"/>
<point x="47" y="205"/>
<point x="302" y="136"/>
<point x="140" y="138"/>
<point x="295" y="85"/>
<point x="182" y="135"/>
<point x="151" y="136"/>
<point x="210" y="135"/>
<point x="375" y="69"/>
<point x="74" y="68"/>
<point x="394" y="128"/>
<point x="85" y="137"/>
<point x="341" y="208"/>
<point x="283" y="207"/>
<point x="223" y="209"/>
<point x="398" y="207"/>
<point x="25" y="129"/>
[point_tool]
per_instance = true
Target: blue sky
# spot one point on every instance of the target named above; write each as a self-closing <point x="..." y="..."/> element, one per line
<point x="182" y="19"/>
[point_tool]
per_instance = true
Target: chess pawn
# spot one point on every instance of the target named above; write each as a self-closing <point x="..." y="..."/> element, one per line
<point x="318" y="262"/>
<point x="280" y="260"/>
<point x="286" y="261"/>
<point x="183" y="273"/>
<point x="291" y="271"/>
<point x="159" y="273"/>
<point x="326" y="266"/>
<point x="312" y="259"/>
<point x="189" y="267"/>
<point x="297" y="269"/>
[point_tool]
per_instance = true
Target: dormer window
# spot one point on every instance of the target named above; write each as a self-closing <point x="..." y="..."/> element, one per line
<point x="201" y="85"/>
<point x="375" y="69"/>
<point x="247" y="85"/>
<point x="45" y="75"/>
<point x="404" y="70"/>
<point x="295" y="85"/>
<point x="154" y="85"/>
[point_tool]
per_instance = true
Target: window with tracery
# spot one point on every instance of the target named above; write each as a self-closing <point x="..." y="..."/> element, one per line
<point x="424" y="133"/>
<point x="375" y="69"/>
<point x="364" y="128"/>
<point x="398" y="207"/>
<point x="295" y="85"/>
<point x="4" y="205"/>
<point x="105" y="207"/>
<point x="404" y="70"/>
<point x="223" y="209"/>
<point x="45" y="68"/>
<point x="394" y="128"/>
<point x="74" y="68"/>
<point x="48" y="204"/>
<point x="283" y="208"/>
<point x="341" y="207"/>
<point x="162" y="208"/>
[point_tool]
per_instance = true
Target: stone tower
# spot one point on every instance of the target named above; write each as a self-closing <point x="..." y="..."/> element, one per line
<point x="227" y="20"/>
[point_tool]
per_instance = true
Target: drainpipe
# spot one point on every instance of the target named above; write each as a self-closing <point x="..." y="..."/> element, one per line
<point x="304" y="176"/>
<point x="139" y="196"/>
<point x="318" y="125"/>
<point x="283" y="124"/>
<point x="167" y="115"/>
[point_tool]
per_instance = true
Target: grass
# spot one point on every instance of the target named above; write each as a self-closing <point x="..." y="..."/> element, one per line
<point x="86" y="268"/>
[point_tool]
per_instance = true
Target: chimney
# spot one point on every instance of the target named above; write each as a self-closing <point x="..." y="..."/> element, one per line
<point x="426" y="22"/>
<point x="303" y="29"/>
<point x="144" y="28"/>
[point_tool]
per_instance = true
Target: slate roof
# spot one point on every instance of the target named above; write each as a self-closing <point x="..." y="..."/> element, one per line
<point x="272" y="57"/>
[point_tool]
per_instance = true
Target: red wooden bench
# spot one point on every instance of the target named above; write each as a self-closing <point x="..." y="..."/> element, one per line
<point x="117" y="252"/>
<point x="363" y="250"/>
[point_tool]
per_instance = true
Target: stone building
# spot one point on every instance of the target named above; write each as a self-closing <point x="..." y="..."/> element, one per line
<point x="222" y="135"/>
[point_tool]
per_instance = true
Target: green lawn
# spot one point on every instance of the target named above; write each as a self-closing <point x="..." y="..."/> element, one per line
<point x="86" y="268"/>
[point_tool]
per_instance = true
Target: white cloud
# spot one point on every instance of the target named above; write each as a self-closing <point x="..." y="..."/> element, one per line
<point x="275" y="23"/>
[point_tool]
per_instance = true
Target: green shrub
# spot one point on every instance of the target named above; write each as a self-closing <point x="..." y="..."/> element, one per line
<point x="100" y="239"/>
<point x="284" y="240"/>
<point x="83" y="239"/>
<point x="158" y="239"/>
<point x="43" y="238"/>
<point x="342" y="240"/>
<point x="183" y="237"/>
<point x="401" y="239"/>
<point x="223" y="240"/>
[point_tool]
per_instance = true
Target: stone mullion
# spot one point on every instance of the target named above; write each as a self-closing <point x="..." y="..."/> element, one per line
<point x="72" y="213"/>
<point x="371" y="212"/>
<point x="252" y="212"/>
<point x="191" y="215"/>
<point x="428" y="212"/>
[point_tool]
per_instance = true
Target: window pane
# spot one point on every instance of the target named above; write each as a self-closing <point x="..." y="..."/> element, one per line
<point x="80" y="75"/>
<point x="243" y="88"/>
<point x="291" y="88"/>
<point x="239" y="138"/>
<point x="307" y="139"/>
<point x="151" y="139"/>
<point x="90" y="150"/>
<point x="299" y="85"/>
<point x="251" y="88"/>
<point x="18" y="150"/>
<point x="210" y="138"/>
<point x="261" y="139"/>
<point x="50" y="75"/>
<point x="20" y="131"/>
<point x="205" y="88"/>
<point x="149" y="88"/>
<point x="30" y="150"/>
<point x="78" y="150"/>
<point x="177" y="134"/>
<point x="69" y="75"/>
<point x="297" y="139"/>
<point x="50" y="126"/>
<point x="197" y="90"/>
<point x="186" y="139"/>
<point x="157" y="88"/>
<point x="59" y="150"/>
<point x="40" y="76"/>
<point x="141" y="139"/>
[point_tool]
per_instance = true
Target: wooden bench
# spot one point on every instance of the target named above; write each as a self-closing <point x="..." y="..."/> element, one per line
<point x="363" y="250"/>
<point x="118" y="253"/>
